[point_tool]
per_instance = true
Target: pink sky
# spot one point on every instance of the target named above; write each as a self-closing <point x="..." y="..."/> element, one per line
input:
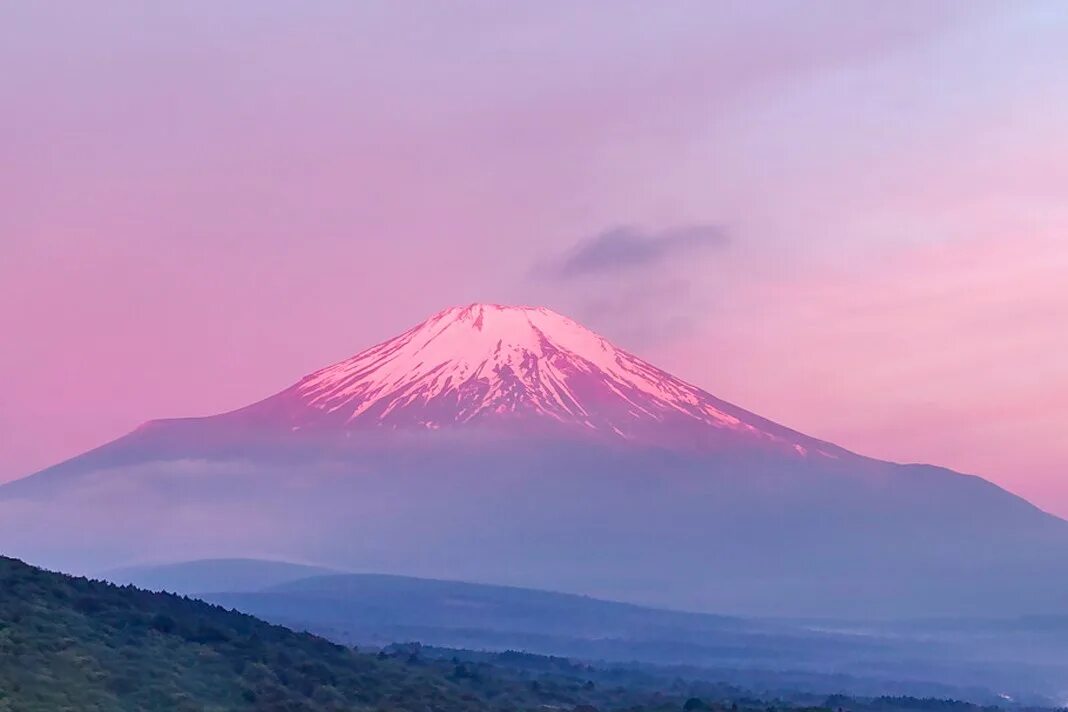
<point x="201" y="204"/>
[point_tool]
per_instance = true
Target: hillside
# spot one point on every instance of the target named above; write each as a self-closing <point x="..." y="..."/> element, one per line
<point x="71" y="643"/>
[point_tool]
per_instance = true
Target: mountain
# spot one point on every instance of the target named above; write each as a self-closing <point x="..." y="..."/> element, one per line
<point x="512" y="445"/>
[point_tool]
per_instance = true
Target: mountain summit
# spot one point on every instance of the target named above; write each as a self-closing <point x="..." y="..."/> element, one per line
<point x="521" y="367"/>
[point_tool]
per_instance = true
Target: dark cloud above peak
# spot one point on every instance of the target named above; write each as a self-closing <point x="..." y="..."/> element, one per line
<point x="628" y="247"/>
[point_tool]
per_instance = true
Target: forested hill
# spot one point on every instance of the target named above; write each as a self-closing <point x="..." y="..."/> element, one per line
<point x="71" y="643"/>
<point x="77" y="644"/>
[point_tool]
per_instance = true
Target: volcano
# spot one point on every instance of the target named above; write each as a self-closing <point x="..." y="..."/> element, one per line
<point x="513" y="445"/>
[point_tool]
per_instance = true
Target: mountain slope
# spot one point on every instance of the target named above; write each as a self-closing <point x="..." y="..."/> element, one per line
<point x="69" y="643"/>
<point x="512" y="445"/>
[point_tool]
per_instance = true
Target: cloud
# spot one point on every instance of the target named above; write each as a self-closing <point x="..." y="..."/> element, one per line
<point x="627" y="247"/>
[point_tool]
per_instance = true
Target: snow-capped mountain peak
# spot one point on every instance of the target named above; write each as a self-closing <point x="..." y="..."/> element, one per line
<point x="491" y="365"/>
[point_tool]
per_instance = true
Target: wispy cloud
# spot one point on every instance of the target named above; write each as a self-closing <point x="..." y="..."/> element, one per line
<point x="628" y="247"/>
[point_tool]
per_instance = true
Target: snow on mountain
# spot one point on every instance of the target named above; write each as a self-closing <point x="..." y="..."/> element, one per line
<point x="489" y="364"/>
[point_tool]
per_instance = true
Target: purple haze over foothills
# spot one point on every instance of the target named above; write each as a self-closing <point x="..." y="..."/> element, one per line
<point x="848" y="218"/>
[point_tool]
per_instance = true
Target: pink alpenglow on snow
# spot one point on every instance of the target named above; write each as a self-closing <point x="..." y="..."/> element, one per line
<point x="500" y="366"/>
